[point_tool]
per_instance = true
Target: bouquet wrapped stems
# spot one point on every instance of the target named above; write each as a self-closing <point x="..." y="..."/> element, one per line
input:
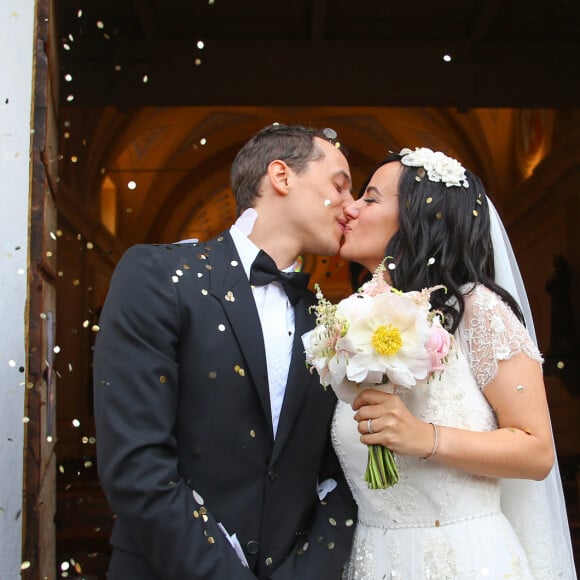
<point x="381" y="470"/>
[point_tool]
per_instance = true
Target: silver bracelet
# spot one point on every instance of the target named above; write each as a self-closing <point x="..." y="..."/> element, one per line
<point x="435" y="443"/>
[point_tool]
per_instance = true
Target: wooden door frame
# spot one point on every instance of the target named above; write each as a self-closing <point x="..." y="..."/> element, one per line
<point x="39" y="493"/>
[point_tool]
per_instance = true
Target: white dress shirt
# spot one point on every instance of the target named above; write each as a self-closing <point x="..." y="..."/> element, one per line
<point x="277" y="319"/>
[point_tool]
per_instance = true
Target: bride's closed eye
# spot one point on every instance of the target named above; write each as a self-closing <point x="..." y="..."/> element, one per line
<point x="370" y="200"/>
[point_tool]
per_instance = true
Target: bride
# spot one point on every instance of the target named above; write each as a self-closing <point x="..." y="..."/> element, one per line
<point x="479" y="494"/>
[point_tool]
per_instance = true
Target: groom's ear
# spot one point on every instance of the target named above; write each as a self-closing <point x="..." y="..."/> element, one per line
<point x="278" y="174"/>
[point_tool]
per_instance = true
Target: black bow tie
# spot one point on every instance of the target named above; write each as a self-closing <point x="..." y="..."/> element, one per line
<point x="264" y="271"/>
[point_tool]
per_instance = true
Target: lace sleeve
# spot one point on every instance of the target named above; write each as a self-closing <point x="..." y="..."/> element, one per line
<point x="492" y="333"/>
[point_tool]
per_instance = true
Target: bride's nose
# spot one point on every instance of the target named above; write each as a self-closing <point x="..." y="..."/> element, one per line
<point x="351" y="211"/>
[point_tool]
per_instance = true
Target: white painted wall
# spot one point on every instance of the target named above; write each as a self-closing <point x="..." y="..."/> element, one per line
<point x="16" y="61"/>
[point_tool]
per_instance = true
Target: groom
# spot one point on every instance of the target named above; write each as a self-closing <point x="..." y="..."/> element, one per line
<point x="212" y="437"/>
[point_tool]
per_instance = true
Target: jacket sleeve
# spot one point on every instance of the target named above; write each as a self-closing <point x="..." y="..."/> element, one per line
<point x="324" y="548"/>
<point x="136" y="396"/>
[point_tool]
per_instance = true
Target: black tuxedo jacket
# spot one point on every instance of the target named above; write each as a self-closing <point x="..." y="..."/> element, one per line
<point x="182" y="403"/>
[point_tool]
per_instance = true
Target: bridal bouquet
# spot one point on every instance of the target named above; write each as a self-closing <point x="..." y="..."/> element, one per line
<point x="377" y="338"/>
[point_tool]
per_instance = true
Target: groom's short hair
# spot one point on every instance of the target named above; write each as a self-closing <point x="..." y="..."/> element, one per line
<point x="293" y="144"/>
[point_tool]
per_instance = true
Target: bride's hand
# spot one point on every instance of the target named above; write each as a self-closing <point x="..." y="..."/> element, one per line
<point x="392" y="424"/>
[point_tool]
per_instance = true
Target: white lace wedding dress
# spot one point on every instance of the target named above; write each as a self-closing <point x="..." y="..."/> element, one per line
<point x="438" y="522"/>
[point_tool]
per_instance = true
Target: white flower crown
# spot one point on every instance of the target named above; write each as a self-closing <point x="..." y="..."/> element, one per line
<point x="437" y="165"/>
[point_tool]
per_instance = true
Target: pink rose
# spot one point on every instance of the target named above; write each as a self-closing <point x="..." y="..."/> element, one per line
<point x="438" y="346"/>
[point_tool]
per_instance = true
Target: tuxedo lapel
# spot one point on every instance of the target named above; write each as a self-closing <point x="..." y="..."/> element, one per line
<point x="299" y="378"/>
<point x="229" y="285"/>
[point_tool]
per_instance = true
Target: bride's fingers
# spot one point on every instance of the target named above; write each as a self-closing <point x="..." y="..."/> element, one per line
<point x="370" y="397"/>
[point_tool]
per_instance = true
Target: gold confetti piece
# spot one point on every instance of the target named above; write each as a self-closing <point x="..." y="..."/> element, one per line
<point x="211" y="540"/>
<point x="252" y="433"/>
<point x="95" y="328"/>
<point x="330" y="545"/>
<point x="268" y="561"/>
<point x="332" y="521"/>
<point x="203" y="510"/>
<point x="230" y="296"/>
<point x="204" y="292"/>
<point x="26" y="419"/>
<point x="437" y="523"/>
<point x="212" y="375"/>
<point x="162" y="379"/>
<point x="520" y="388"/>
<point x="25" y="565"/>
<point x="475" y="213"/>
<point x="76" y="282"/>
<point x="208" y="267"/>
<point x="237" y="368"/>
<point x="438" y="215"/>
<point x="195" y="514"/>
<point x="220" y="239"/>
<point x="349" y="523"/>
<point x="205" y="518"/>
<point x="202" y="256"/>
<point x="186" y="266"/>
<point x="429" y="200"/>
<point x="179" y="272"/>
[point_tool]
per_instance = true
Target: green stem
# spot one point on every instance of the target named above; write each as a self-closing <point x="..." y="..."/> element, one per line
<point x="381" y="471"/>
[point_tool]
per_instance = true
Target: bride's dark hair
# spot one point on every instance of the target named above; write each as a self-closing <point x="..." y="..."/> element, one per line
<point x="443" y="238"/>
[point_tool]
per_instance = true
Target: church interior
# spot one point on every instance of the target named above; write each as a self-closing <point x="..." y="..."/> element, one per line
<point x="150" y="101"/>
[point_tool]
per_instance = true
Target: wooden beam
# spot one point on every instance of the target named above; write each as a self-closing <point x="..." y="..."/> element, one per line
<point x="373" y="73"/>
<point x="319" y="20"/>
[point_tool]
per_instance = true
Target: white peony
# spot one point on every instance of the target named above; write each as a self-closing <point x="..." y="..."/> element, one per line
<point x="387" y="339"/>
